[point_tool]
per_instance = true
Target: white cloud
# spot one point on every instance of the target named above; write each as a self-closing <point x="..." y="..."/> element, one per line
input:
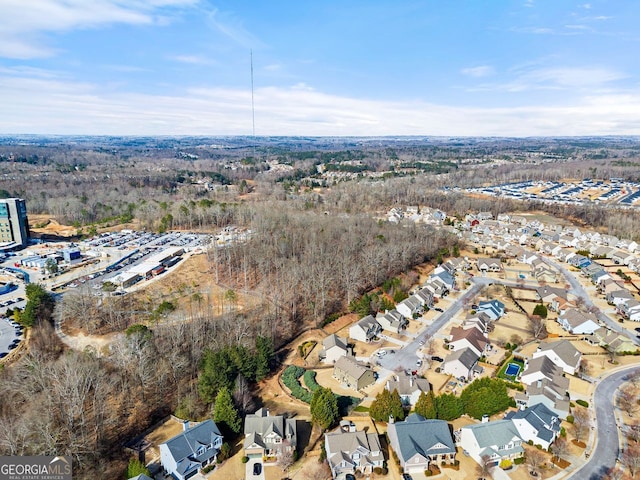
<point x="25" y="34"/>
<point x="56" y="106"/>
<point x="479" y="71"/>
<point x="191" y="59"/>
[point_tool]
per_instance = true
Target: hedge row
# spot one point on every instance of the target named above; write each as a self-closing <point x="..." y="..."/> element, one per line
<point x="310" y="380"/>
<point x="290" y="377"/>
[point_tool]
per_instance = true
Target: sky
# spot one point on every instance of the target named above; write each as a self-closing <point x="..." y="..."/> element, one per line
<point x="326" y="68"/>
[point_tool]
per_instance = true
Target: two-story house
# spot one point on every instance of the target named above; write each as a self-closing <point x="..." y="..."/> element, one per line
<point x="194" y="448"/>
<point x="267" y="435"/>
<point x="348" y="450"/>
<point x="493" y="441"/>
<point x="365" y="329"/>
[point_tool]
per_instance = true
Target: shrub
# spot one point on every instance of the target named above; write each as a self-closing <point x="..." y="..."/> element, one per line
<point x="377" y="470"/>
<point x="310" y="380"/>
<point x="290" y="377"/>
<point x="582" y="403"/>
<point x="245" y="459"/>
<point x="506" y="464"/>
<point x="530" y="442"/>
<point x="570" y="418"/>
<point x="519" y="461"/>
<point x="563" y="432"/>
<point x="208" y="468"/>
<point x="428" y="473"/>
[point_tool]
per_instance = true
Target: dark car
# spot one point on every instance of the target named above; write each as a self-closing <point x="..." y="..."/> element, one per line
<point x="349" y="476"/>
<point x="437" y="359"/>
<point x="637" y="329"/>
<point x="438" y="309"/>
<point x="406" y="476"/>
<point x="257" y="468"/>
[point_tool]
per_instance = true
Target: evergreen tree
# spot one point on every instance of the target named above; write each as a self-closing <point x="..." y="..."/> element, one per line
<point x="39" y="306"/>
<point x="135" y="468"/>
<point x="385" y="405"/>
<point x="324" y="408"/>
<point x="224" y="413"/>
<point x="426" y="405"/>
<point x="264" y="357"/>
<point x="448" y="407"/>
<point x="541" y="310"/>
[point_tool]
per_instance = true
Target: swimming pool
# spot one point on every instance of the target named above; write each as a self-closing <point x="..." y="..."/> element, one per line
<point x="512" y="369"/>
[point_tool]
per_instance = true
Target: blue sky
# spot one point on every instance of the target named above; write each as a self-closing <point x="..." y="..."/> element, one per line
<point x="430" y="67"/>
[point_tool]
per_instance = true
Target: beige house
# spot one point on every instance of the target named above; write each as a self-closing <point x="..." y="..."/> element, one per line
<point x="348" y="371"/>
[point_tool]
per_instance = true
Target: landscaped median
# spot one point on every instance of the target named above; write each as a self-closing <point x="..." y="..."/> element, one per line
<point x="291" y="379"/>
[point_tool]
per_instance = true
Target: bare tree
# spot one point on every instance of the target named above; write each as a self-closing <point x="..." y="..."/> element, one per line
<point x="285" y="458"/>
<point x="536" y="325"/>
<point x="631" y="459"/>
<point x="628" y="400"/>
<point x="633" y="432"/>
<point x="560" y="448"/>
<point x="485" y="467"/>
<point x="581" y="423"/>
<point x="534" y="459"/>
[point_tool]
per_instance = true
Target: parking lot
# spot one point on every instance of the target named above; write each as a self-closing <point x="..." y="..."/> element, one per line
<point x="10" y="333"/>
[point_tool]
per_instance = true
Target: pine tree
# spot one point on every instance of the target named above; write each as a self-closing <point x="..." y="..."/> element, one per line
<point x="324" y="408"/>
<point x="426" y="405"/>
<point x="385" y="405"/>
<point x="225" y="413"/>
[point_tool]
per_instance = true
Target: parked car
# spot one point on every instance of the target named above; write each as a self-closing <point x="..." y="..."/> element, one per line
<point x="257" y="468"/>
<point x="438" y="309"/>
<point x="406" y="476"/>
<point x="437" y="359"/>
<point x="419" y="363"/>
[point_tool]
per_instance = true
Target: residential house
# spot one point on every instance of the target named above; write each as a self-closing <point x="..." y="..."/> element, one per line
<point x="552" y="393"/>
<point x="194" y="448"/>
<point x="479" y="321"/>
<point x="142" y="476"/>
<point x="561" y="304"/>
<point x="630" y="310"/>
<point x="461" y="363"/>
<point x="392" y="321"/>
<point x="576" y="322"/>
<point x="472" y="338"/>
<point x="267" y="435"/>
<point x="612" y="340"/>
<point x="409" y="387"/>
<point x="539" y="368"/>
<point x="493" y="308"/>
<point x="618" y="297"/>
<point x="579" y="261"/>
<point x="409" y="306"/>
<point x="349" y="451"/>
<point x="536" y="424"/>
<point x="419" y="442"/>
<point x="562" y="353"/>
<point x="425" y="297"/>
<point x="607" y="285"/>
<point x="348" y="371"/>
<point x="493" y="440"/>
<point x="546" y="294"/>
<point x="334" y="347"/>
<point x="489" y="265"/>
<point x="365" y="329"/>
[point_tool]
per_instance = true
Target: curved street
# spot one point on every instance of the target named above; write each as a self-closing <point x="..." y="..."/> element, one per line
<point x="607" y="450"/>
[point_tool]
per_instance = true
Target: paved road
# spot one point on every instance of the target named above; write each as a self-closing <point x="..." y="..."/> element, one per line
<point x="578" y="290"/>
<point x="407" y="357"/>
<point x="607" y="448"/>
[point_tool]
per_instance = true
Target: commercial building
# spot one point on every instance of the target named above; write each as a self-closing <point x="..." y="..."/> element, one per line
<point x="14" y="226"/>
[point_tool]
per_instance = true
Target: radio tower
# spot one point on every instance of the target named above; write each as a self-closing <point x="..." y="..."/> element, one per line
<point x="253" y="112"/>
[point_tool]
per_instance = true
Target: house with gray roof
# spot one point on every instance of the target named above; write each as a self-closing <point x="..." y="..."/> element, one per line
<point x="493" y="440"/>
<point x="392" y="321"/>
<point x="419" y="442"/>
<point x="489" y="265"/>
<point x="552" y="393"/>
<point x="537" y="424"/>
<point x="185" y="454"/>
<point x="538" y="368"/>
<point x="267" y="435"/>
<point x="409" y="306"/>
<point x="334" y="347"/>
<point x="461" y="363"/>
<point x="409" y="387"/>
<point x="350" y="451"/>
<point x="578" y="322"/>
<point x="142" y="476"/>
<point x="562" y="353"/>
<point x="348" y="371"/>
<point x="365" y="329"/>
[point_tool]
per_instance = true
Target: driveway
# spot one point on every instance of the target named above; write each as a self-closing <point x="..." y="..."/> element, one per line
<point x="249" y="469"/>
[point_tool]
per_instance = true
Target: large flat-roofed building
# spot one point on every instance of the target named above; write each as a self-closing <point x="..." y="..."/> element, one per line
<point x="14" y="227"/>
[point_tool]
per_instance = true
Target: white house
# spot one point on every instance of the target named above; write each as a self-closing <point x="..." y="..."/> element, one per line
<point x="365" y="329"/>
<point x="472" y="338"/>
<point x="334" y="347"/>
<point x="409" y="306"/>
<point x="185" y="454"/>
<point x="577" y="322"/>
<point x="461" y="363"/>
<point x="409" y="387"/>
<point x="562" y="353"/>
<point x="496" y="440"/>
<point x="348" y="450"/>
<point x="537" y="424"/>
